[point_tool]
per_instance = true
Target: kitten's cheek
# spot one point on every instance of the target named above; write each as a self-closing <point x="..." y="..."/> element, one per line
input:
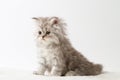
<point x="39" y="38"/>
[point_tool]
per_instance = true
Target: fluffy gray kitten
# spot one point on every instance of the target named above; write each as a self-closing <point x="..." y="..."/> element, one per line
<point x="56" y="55"/>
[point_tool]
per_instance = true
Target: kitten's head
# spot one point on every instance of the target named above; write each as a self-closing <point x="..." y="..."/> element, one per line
<point x="49" y="30"/>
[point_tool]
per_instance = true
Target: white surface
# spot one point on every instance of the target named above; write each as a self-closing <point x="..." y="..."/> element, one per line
<point x="12" y="74"/>
<point x="93" y="28"/>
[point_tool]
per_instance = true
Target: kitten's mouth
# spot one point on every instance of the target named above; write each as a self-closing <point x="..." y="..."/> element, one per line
<point x="43" y="39"/>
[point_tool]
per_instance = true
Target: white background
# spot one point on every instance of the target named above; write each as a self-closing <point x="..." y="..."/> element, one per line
<point x="93" y="29"/>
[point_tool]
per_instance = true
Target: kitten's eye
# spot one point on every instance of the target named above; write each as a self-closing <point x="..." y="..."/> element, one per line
<point x="39" y="32"/>
<point x="48" y="32"/>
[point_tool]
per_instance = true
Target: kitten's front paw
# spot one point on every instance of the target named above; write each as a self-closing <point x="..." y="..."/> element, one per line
<point x="55" y="74"/>
<point x="37" y="73"/>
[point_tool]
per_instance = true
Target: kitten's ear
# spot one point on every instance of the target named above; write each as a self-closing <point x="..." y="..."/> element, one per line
<point x="54" y="20"/>
<point x="35" y="18"/>
<point x="38" y="20"/>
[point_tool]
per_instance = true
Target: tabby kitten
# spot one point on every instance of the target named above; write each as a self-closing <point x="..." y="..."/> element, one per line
<point x="56" y="55"/>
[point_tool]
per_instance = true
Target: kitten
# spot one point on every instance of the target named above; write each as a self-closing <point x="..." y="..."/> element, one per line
<point x="56" y="55"/>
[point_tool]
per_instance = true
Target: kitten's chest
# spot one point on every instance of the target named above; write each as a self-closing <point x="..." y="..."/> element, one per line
<point x="48" y="54"/>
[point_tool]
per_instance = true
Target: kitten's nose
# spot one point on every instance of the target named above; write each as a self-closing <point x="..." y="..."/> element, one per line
<point x="43" y="36"/>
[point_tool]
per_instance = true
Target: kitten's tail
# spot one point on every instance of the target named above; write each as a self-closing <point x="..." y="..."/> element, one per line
<point x="97" y="69"/>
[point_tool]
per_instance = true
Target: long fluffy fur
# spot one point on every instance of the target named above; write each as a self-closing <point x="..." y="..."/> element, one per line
<point x="56" y="55"/>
